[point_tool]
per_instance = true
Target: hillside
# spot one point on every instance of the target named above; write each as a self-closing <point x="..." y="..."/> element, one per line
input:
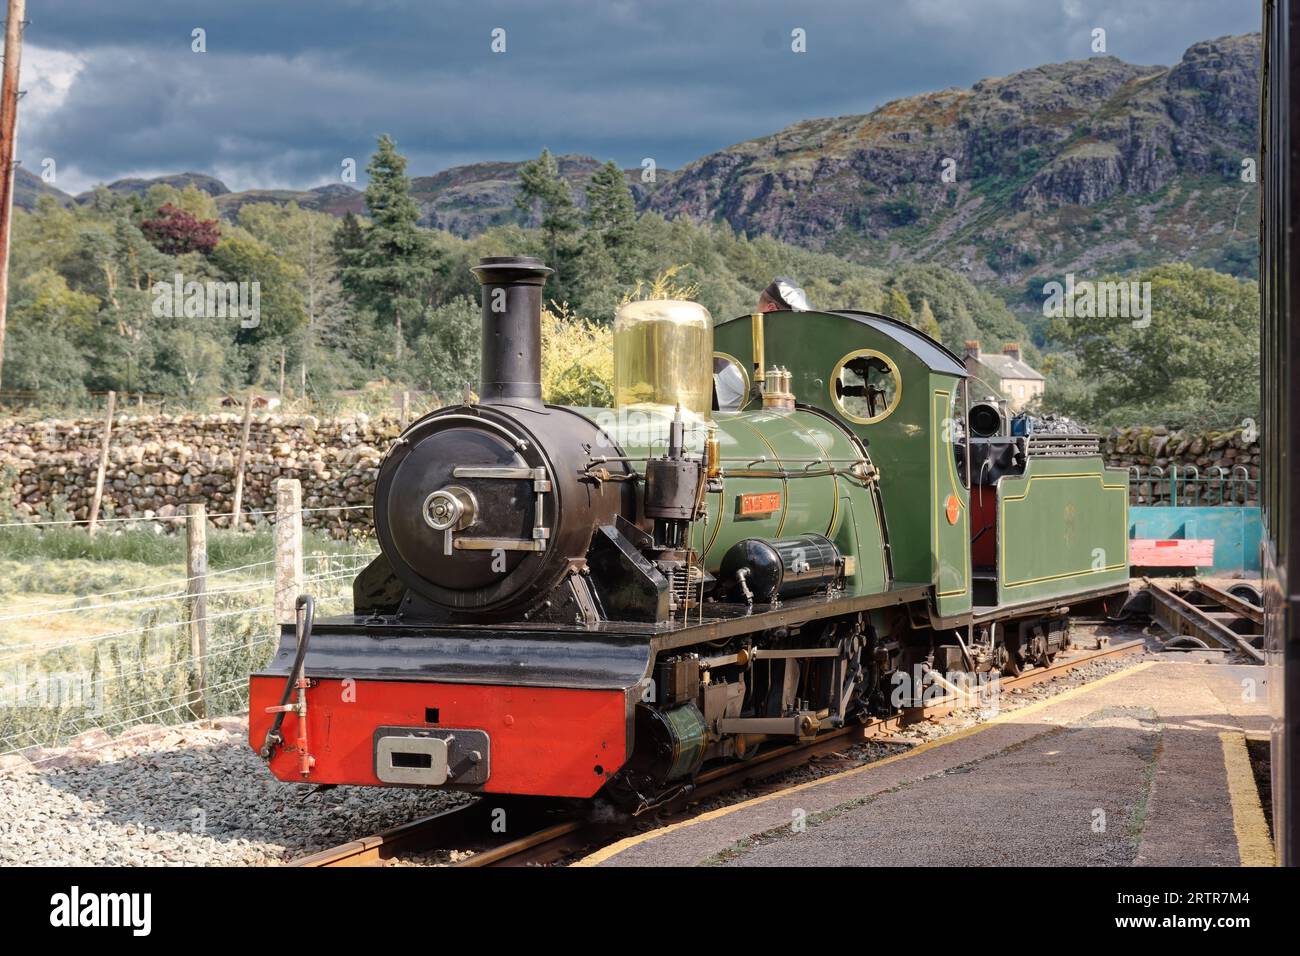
<point x="1075" y="166"/>
<point x="337" y="199"/>
<point x="29" y="187"/>
<point x="1084" y="167"/>
<point x="466" y="200"/>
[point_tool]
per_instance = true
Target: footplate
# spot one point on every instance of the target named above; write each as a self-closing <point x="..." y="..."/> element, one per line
<point x="432" y="757"/>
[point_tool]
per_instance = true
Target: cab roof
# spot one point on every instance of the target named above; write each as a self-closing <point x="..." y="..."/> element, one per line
<point x="927" y="350"/>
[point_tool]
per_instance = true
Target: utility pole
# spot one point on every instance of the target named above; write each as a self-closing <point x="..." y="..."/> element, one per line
<point x="8" y="130"/>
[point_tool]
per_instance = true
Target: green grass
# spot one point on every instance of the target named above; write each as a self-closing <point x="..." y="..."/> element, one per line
<point x="151" y="545"/>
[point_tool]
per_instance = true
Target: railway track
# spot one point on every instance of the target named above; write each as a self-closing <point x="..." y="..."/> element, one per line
<point x="552" y="833"/>
<point x="1204" y="617"/>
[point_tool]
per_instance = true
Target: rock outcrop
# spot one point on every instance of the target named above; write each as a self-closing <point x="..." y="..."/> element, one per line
<point x="1042" y="166"/>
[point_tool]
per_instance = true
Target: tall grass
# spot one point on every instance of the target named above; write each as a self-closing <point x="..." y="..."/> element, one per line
<point x="142" y="670"/>
<point x="147" y="673"/>
<point x="153" y="545"/>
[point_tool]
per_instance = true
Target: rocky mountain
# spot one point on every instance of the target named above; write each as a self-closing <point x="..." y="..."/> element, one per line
<point x="1079" y="166"/>
<point x="464" y="200"/>
<point x="1086" y="166"/>
<point x="337" y="199"/>
<point x="29" y="187"/>
<point x="138" y="187"/>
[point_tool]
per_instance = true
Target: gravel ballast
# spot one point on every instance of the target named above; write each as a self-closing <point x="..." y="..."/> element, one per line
<point x="193" y="795"/>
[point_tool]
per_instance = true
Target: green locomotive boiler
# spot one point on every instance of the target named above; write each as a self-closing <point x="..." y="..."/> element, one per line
<point x="789" y="521"/>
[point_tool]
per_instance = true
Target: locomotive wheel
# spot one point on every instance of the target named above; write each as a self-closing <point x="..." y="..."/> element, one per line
<point x="1043" y="658"/>
<point x="1011" y="657"/>
<point x="746" y="749"/>
<point x="1247" y="592"/>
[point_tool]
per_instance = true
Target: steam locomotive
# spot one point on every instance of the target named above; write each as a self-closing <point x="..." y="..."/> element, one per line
<point x="785" y="523"/>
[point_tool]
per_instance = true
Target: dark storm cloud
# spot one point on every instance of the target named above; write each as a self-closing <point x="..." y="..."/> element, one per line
<point x="287" y="90"/>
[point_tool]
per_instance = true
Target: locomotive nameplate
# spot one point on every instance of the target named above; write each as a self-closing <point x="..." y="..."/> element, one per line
<point x="757" y="505"/>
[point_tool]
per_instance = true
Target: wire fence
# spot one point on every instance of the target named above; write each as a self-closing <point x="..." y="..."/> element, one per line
<point x="105" y="659"/>
<point x="116" y="678"/>
<point x="142" y="520"/>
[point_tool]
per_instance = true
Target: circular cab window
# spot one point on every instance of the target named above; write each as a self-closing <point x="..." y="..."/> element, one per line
<point x="866" y="386"/>
<point x="730" y="382"/>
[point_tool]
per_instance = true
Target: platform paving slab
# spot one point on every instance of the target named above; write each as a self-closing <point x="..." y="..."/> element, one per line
<point x="1137" y="768"/>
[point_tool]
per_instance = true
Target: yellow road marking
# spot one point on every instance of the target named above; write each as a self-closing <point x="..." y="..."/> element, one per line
<point x="1253" y="843"/>
<point x="606" y="853"/>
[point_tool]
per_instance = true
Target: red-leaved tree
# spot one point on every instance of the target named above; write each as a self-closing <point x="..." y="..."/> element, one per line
<point x="176" y="231"/>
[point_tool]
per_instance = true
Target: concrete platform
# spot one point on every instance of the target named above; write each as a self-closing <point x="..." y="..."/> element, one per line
<point x="1145" y="767"/>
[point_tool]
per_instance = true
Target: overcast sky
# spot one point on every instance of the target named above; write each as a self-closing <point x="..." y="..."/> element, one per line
<point x="288" y="89"/>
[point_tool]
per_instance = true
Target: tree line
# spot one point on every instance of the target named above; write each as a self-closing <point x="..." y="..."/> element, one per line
<point x="346" y="303"/>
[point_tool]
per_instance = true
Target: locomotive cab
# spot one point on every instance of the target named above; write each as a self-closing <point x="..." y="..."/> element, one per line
<point x="1005" y="522"/>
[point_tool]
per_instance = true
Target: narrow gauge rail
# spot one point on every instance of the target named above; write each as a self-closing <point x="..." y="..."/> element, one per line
<point x="1204" y="617"/>
<point x="554" y="834"/>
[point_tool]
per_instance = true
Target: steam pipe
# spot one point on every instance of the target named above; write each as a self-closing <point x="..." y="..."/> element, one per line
<point x="756" y="332"/>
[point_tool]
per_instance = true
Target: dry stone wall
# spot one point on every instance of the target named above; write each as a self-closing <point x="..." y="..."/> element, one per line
<point x="157" y="463"/>
<point x="1147" y="447"/>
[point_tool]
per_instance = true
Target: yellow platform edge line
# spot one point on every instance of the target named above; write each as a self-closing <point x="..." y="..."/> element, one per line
<point x="614" y="849"/>
<point x="1254" y="846"/>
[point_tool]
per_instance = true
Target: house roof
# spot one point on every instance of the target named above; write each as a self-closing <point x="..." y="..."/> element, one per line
<point x="1004" y="366"/>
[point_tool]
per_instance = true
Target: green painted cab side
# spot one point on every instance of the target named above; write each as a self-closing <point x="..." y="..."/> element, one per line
<point x="910" y="446"/>
<point x="1062" y="528"/>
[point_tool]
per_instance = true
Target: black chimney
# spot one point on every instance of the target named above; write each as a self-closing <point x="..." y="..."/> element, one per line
<point x="512" y="328"/>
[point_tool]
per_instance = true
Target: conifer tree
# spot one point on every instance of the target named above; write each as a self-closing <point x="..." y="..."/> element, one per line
<point x="392" y="271"/>
<point x="611" y="213"/>
<point x="897" y="306"/>
<point x="542" y="189"/>
<point x="926" y="322"/>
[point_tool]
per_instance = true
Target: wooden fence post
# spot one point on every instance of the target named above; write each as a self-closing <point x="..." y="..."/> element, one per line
<point x="196" y="602"/>
<point x="288" y="548"/>
<point x="406" y="410"/>
<point x="98" y="497"/>
<point x="238" y="504"/>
